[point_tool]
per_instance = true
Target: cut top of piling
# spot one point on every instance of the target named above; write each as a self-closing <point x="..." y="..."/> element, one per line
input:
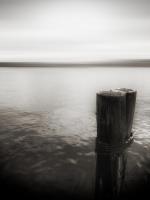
<point x="116" y="92"/>
<point x="111" y="93"/>
<point x="126" y="90"/>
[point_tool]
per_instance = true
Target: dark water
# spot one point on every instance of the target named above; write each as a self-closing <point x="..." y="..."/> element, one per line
<point x="48" y="130"/>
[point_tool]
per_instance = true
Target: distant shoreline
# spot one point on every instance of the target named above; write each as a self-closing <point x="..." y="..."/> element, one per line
<point x="119" y="63"/>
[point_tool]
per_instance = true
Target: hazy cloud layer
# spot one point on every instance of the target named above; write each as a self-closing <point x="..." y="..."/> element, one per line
<point x="74" y="29"/>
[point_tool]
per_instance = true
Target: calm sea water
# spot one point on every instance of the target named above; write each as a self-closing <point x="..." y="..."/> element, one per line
<point x="48" y="126"/>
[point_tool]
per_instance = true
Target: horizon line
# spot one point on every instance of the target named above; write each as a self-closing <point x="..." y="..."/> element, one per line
<point x="112" y="63"/>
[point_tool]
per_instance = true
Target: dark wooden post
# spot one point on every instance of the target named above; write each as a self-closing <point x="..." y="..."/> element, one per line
<point x="115" y="111"/>
<point x="130" y="108"/>
<point x="111" y="117"/>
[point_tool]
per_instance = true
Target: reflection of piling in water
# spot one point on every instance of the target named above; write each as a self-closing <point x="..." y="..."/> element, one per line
<point x="110" y="175"/>
<point x="115" y="110"/>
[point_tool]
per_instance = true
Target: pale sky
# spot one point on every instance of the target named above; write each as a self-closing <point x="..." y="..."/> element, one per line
<point x="74" y="30"/>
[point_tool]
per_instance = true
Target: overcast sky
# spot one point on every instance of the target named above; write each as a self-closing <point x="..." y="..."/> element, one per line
<point x="74" y="30"/>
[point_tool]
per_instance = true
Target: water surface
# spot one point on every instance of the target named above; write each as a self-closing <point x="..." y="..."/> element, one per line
<point x="48" y="128"/>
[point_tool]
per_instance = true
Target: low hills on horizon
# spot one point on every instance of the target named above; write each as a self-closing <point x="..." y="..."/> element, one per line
<point x="117" y="63"/>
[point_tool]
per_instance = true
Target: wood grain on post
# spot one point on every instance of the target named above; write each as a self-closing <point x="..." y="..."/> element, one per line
<point x="111" y="116"/>
<point x="130" y="108"/>
<point x="115" y="110"/>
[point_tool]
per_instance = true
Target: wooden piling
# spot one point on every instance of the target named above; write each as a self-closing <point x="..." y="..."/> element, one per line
<point x="130" y="108"/>
<point x="115" y="111"/>
<point x="111" y="109"/>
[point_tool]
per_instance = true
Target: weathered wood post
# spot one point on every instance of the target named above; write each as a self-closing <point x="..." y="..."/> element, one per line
<point x="130" y="108"/>
<point x="115" y="111"/>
